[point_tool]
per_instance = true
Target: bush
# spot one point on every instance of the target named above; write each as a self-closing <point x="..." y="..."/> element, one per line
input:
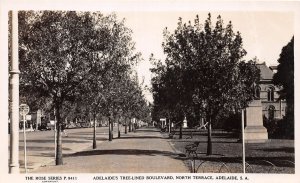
<point x="280" y="129"/>
<point x="286" y="127"/>
<point x="272" y="126"/>
<point x="233" y="122"/>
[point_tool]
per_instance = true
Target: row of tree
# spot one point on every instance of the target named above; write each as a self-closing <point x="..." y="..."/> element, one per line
<point x="204" y="74"/>
<point x="79" y="62"/>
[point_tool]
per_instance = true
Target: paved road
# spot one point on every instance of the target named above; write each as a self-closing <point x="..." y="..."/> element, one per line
<point x="41" y="148"/>
<point x="145" y="151"/>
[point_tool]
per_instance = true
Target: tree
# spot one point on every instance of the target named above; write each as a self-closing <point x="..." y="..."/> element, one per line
<point x="114" y="65"/>
<point x="168" y="92"/>
<point x="57" y="54"/>
<point x="284" y="78"/>
<point x="213" y="75"/>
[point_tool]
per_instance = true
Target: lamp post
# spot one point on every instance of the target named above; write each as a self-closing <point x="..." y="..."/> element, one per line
<point x="14" y="96"/>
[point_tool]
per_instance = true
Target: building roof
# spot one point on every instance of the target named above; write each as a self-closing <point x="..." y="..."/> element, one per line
<point x="265" y="72"/>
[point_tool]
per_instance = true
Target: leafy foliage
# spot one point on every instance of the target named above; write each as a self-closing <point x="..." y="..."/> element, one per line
<point x="285" y="75"/>
<point x="204" y="74"/>
<point x="77" y="62"/>
<point x="284" y="78"/>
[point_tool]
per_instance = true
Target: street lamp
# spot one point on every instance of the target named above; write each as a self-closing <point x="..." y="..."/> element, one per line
<point x="14" y="96"/>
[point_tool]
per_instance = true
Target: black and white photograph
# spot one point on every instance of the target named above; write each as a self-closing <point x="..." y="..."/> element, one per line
<point x="149" y="91"/>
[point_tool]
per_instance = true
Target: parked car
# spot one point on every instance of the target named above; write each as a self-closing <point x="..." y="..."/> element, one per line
<point x="44" y="127"/>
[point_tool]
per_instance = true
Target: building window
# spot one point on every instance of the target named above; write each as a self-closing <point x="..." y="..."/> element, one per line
<point x="270" y="94"/>
<point x="257" y="92"/>
<point x="271" y="112"/>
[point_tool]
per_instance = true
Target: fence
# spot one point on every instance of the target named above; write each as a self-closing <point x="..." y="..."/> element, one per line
<point x="254" y="166"/>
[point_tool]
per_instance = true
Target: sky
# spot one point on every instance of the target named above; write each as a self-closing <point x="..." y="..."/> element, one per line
<point x="264" y="33"/>
<point x="265" y="26"/>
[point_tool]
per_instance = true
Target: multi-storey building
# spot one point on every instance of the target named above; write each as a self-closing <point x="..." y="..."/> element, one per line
<point x="272" y="106"/>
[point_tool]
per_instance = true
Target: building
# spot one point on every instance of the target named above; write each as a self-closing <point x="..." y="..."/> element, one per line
<point x="272" y="106"/>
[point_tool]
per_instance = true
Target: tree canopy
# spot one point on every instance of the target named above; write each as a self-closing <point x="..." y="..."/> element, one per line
<point x="284" y="77"/>
<point x="78" y="61"/>
<point x="204" y="72"/>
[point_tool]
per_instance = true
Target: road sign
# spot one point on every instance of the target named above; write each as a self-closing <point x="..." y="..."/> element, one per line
<point x="24" y="109"/>
<point x="28" y="118"/>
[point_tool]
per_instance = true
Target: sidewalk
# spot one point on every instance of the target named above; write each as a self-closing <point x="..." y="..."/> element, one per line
<point x="143" y="151"/>
<point x="41" y="148"/>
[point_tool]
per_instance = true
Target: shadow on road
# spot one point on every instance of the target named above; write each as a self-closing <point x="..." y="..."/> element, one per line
<point x="148" y="130"/>
<point x="136" y="152"/>
<point x="204" y="141"/>
<point x="141" y="137"/>
<point x="83" y="138"/>
<point x="64" y="141"/>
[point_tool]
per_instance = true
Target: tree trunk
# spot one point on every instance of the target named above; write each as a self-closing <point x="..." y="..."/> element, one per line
<point x="170" y="126"/>
<point x="209" y="143"/>
<point x="169" y="123"/>
<point x="94" y="133"/>
<point x="129" y="125"/>
<point x="59" y="157"/>
<point x="133" y="127"/>
<point x="112" y="128"/>
<point x="180" y="132"/>
<point x="119" y="133"/>
<point x="109" y="130"/>
<point x="125" y="125"/>
<point x="112" y="124"/>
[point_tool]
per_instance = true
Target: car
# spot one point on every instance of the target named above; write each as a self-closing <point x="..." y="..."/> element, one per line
<point x="44" y="127"/>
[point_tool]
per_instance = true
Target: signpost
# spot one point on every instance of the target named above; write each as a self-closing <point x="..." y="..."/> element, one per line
<point x="163" y="122"/>
<point x="24" y="110"/>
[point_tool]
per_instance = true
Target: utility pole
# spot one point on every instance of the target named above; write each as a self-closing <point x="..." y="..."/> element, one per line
<point x="14" y="96"/>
